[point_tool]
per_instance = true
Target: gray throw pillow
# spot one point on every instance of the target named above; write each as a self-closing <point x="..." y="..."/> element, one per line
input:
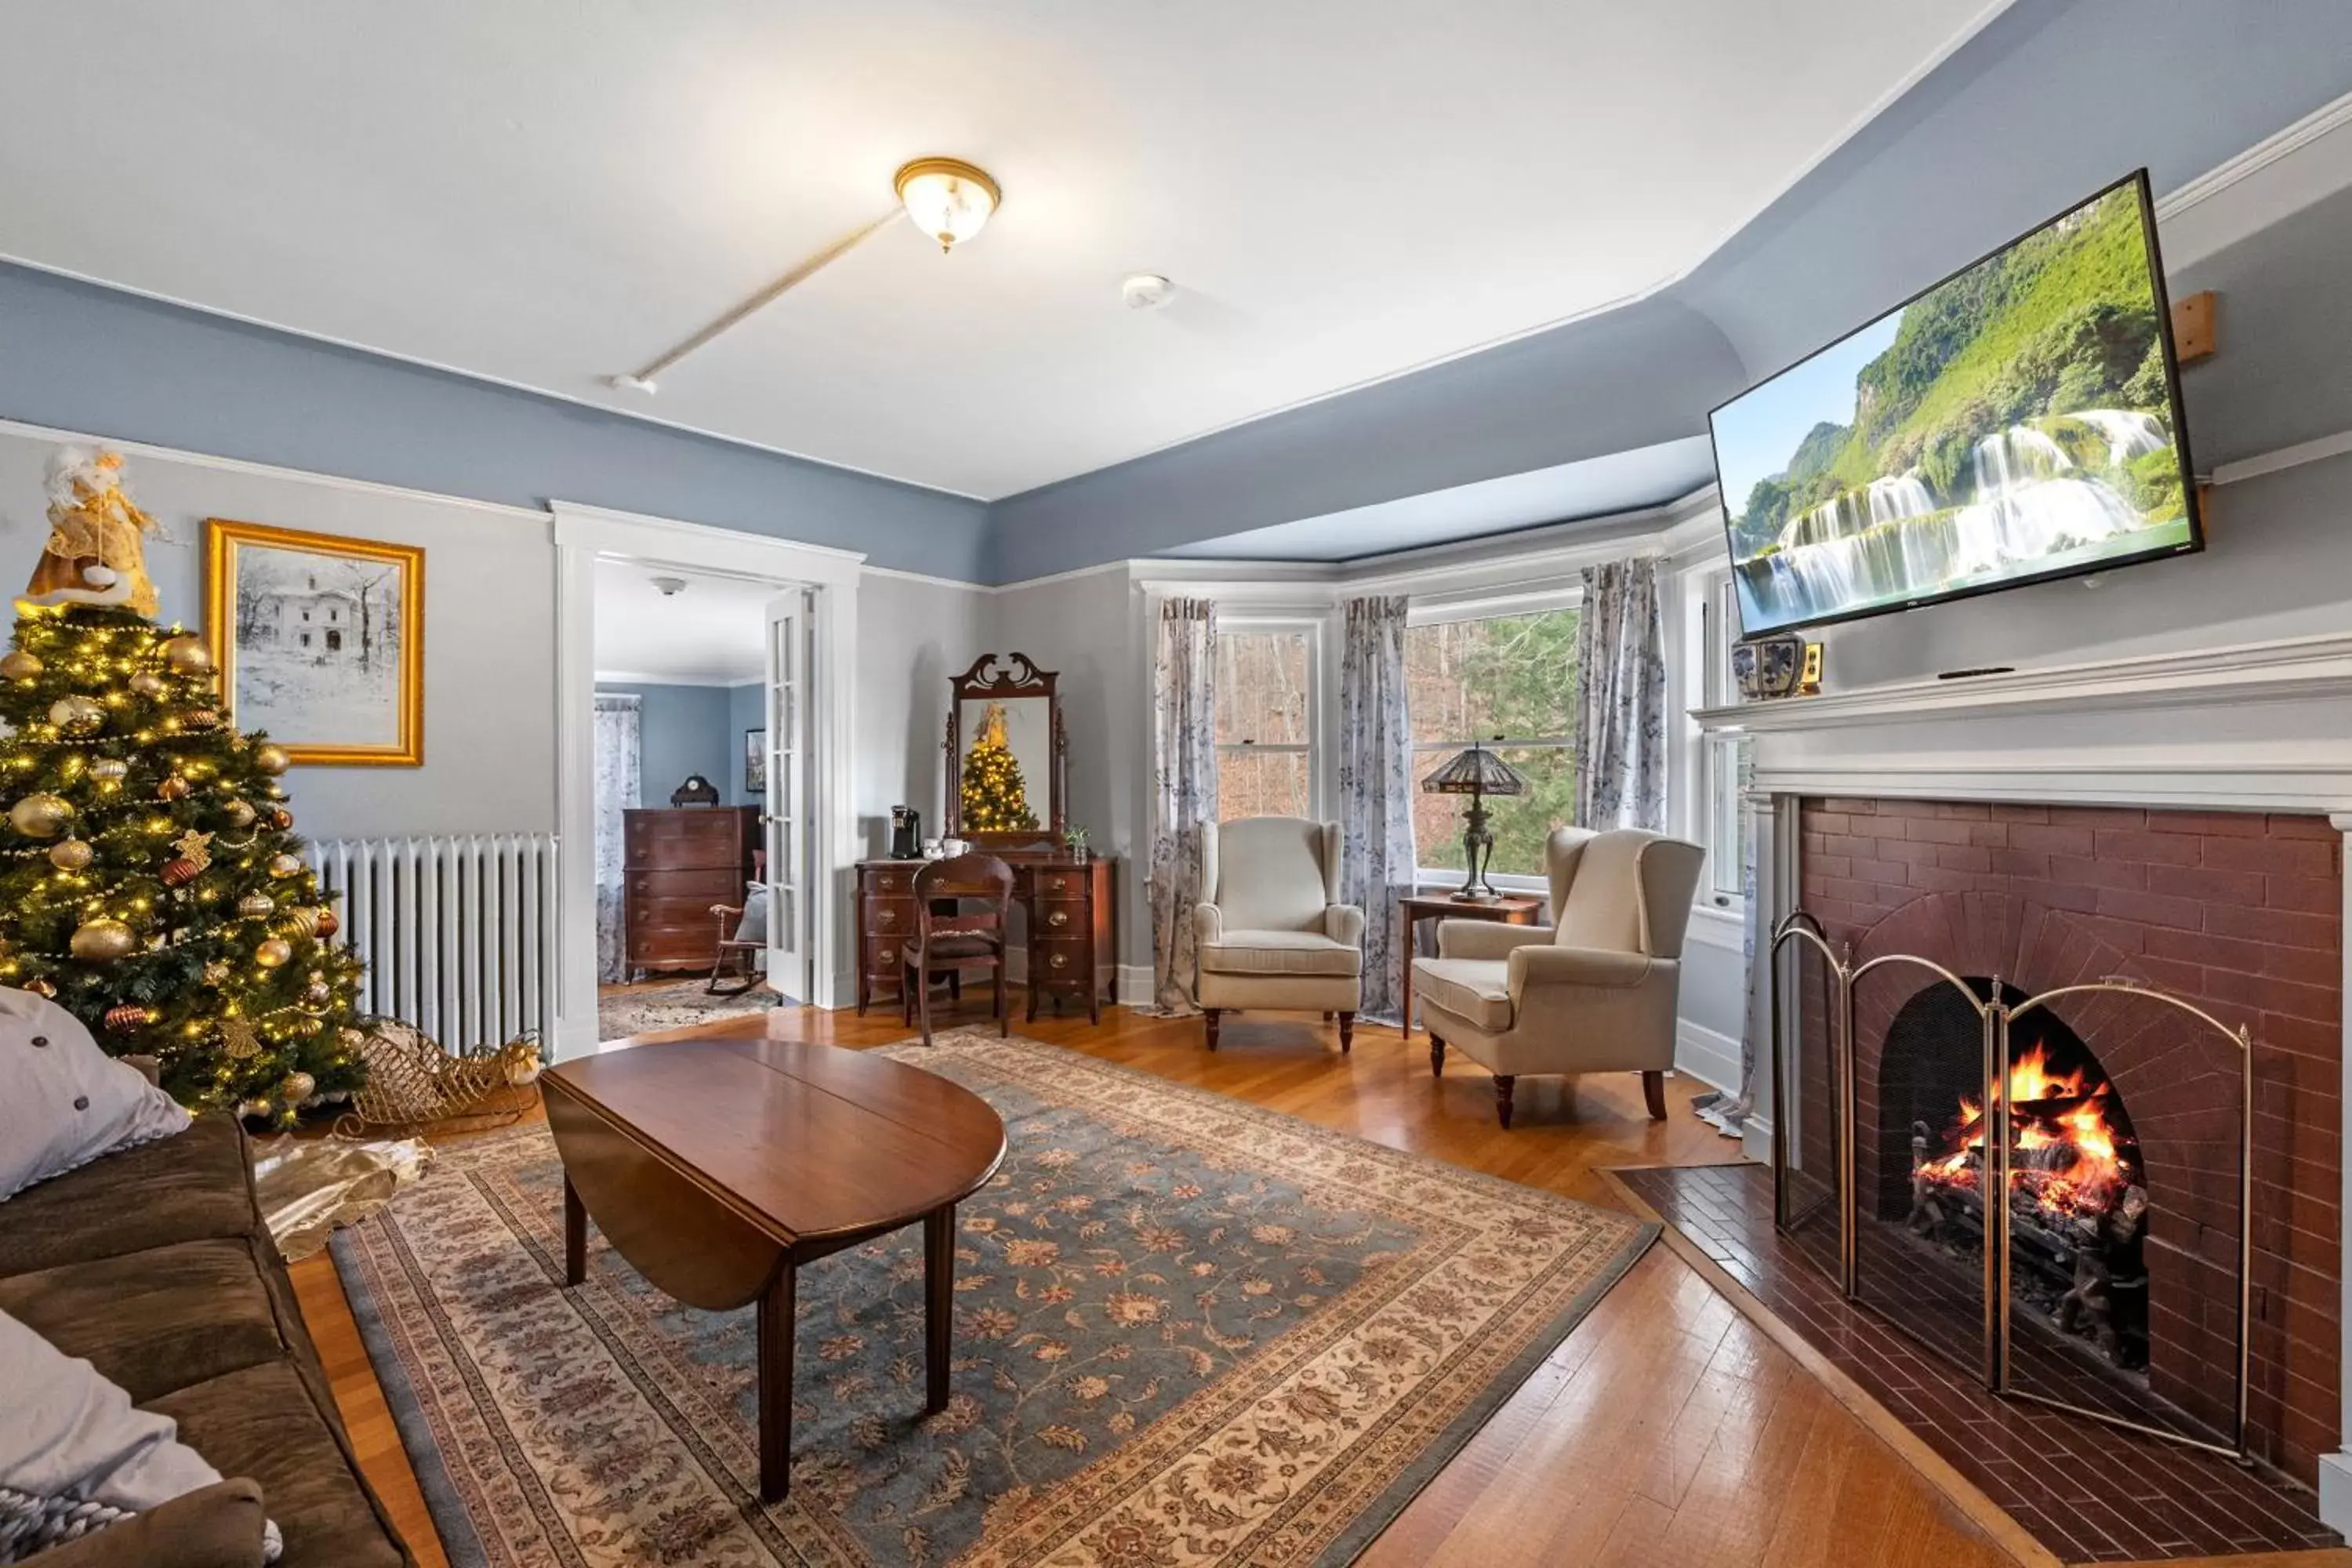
<point x="754" y="926"/>
<point x="77" y="1454"/>
<point x="68" y="1102"/>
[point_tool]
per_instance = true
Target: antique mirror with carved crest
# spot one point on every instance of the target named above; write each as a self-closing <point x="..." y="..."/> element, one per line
<point x="1005" y="751"/>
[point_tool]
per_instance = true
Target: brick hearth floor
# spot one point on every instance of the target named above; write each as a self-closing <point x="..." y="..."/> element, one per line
<point x="2085" y="1490"/>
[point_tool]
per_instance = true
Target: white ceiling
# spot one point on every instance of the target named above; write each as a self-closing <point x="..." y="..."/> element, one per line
<point x="546" y="193"/>
<point x="714" y="633"/>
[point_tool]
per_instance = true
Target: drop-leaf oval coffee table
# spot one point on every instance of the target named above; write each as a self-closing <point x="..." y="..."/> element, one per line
<point x="716" y="1168"/>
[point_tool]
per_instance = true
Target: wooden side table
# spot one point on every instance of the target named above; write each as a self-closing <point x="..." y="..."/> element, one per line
<point x="1414" y="908"/>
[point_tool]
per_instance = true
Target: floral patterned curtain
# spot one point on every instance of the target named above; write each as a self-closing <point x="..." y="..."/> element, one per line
<point x="1620" y="698"/>
<point x="1185" y="789"/>
<point x="617" y="720"/>
<point x="1376" y="785"/>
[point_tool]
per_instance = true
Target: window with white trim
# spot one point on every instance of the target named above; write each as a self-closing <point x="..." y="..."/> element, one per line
<point x="1726" y="760"/>
<point x="1265" y="720"/>
<point x="1509" y="682"/>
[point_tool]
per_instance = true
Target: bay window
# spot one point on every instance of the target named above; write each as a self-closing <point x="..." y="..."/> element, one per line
<point x="1265" y="720"/>
<point x="1509" y="682"/>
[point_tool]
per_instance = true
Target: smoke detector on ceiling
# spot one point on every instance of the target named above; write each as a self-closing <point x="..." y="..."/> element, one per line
<point x="671" y="587"/>
<point x="1146" y="291"/>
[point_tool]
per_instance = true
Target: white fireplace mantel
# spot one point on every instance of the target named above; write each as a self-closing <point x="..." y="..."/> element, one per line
<point x="2262" y="726"/>
<point x="2255" y="726"/>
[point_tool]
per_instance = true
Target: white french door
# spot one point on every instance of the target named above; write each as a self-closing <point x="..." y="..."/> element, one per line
<point x="788" y="820"/>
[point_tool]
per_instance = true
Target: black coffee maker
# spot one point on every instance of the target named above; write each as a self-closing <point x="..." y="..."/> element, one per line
<point x="906" y="833"/>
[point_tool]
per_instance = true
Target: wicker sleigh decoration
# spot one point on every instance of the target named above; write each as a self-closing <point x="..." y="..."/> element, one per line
<point x="412" y="1081"/>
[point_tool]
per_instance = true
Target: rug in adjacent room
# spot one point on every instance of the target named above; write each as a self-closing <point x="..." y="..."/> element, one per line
<point x="1187" y="1329"/>
<point x="649" y="1010"/>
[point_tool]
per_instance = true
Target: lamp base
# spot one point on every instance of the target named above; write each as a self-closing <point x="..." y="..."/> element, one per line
<point x="1474" y="896"/>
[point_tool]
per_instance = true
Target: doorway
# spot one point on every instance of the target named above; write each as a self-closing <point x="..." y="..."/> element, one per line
<point x="712" y="656"/>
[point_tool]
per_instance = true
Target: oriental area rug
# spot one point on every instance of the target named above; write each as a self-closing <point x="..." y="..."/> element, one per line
<point x="1188" y="1330"/>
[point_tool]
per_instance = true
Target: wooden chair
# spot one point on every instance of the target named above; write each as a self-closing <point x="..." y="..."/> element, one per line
<point x="732" y="960"/>
<point x="961" y="905"/>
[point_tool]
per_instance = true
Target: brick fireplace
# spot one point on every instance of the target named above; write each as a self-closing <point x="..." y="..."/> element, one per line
<point x="2237" y="912"/>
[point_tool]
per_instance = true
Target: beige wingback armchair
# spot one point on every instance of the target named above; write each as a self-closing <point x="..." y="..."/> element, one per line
<point x="1272" y="930"/>
<point x="1593" y="993"/>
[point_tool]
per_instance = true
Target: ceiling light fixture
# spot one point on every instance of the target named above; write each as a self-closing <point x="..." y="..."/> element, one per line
<point x="1146" y="291"/>
<point x="671" y="587"/>
<point x="947" y="198"/>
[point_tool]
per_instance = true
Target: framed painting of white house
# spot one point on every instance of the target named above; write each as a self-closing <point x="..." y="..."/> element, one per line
<point x="321" y="641"/>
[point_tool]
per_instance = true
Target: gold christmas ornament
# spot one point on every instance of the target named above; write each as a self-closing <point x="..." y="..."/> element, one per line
<point x="280" y="818"/>
<point x="174" y="788"/>
<point x="200" y="718"/>
<point x="298" y="1087"/>
<point x="179" y="873"/>
<point x="128" y="1017"/>
<point x="110" y="770"/>
<point x="272" y="952"/>
<point x="18" y="664"/>
<point x="69" y="855"/>
<point x="103" y="941"/>
<point x="40" y="987"/>
<point x="239" y="1042"/>
<point x="301" y="922"/>
<point x="146" y="683"/>
<point x="188" y="655"/>
<point x="271" y="758"/>
<point x="328" y="922"/>
<point x="238" y="813"/>
<point x="285" y="865"/>
<point x="216" y="974"/>
<point x="41" y="815"/>
<point x="253" y="906"/>
<point x="78" y="715"/>
<point x="316" y="993"/>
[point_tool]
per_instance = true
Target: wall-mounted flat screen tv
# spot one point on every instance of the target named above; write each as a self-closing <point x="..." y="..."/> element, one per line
<point x="2016" y="422"/>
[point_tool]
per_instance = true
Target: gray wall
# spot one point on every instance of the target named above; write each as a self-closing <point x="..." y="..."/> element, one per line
<point x="78" y="357"/>
<point x="489" y="625"/>
<point x="746" y="710"/>
<point x="683" y="730"/>
<point x="912" y="634"/>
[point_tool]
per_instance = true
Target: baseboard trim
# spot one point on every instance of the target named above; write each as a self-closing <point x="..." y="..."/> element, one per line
<point x="1705" y="1054"/>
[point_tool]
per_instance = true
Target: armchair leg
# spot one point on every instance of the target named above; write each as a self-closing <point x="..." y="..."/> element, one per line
<point x="1653" y="1090"/>
<point x="1436" y="1057"/>
<point x="1347" y="1033"/>
<point x="1209" y="1017"/>
<point x="1504" y="1084"/>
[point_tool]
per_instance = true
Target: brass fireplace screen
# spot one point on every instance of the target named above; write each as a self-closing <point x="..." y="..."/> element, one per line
<point x="2005" y="1149"/>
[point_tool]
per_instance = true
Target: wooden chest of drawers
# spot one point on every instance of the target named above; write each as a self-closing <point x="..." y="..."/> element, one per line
<point x="1066" y="911"/>
<point x="676" y="863"/>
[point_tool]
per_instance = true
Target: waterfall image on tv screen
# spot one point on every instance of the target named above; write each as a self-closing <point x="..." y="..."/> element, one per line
<point x="2019" y="420"/>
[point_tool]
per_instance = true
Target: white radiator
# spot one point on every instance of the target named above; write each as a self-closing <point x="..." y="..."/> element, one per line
<point x="460" y="934"/>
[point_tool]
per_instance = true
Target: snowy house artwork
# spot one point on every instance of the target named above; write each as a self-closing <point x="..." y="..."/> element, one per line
<point x="321" y="620"/>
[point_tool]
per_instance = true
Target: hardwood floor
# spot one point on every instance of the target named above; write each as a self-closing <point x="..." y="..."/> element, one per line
<point x="1668" y="1431"/>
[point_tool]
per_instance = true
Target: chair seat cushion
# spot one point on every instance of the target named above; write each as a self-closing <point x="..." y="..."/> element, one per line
<point x="1474" y="988"/>
<point x="1281" y="952"/>
<point x="943" y="948"/>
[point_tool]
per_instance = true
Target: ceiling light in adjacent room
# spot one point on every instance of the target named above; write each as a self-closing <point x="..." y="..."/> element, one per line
<point x="1146" y="291"/>
<point x="949" y="199"/>
<point x="671" y="587"/>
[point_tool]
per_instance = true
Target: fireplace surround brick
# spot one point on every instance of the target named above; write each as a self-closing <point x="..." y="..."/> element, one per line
<point x="2237" y="912"/>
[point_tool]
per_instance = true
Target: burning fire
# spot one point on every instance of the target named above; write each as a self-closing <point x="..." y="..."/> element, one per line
<point x="2068" y="1157"/>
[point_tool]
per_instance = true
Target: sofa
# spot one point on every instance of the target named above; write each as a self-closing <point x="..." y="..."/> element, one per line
<point x="153" y="1264"/>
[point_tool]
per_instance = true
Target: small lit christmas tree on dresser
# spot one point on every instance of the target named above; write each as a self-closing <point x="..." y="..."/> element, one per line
<point x="994" y="798"/>
<point x="148" y="878"/>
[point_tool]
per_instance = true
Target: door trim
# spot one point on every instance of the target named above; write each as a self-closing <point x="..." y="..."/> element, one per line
<point x="580" y="535"/>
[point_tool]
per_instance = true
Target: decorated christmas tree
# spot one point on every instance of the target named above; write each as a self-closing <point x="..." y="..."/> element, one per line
<point x="995" y="799"/>
<point x="148" y="880"/>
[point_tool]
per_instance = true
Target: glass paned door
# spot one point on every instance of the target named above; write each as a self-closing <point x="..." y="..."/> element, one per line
<point x="790" y="629"/>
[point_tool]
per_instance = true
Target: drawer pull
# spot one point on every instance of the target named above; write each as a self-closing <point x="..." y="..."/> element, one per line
<point x="1057" y="883"/>
<point x="1061" y="961"/>
<point x="887" y="917"/>
<point x="1058" y="918"/>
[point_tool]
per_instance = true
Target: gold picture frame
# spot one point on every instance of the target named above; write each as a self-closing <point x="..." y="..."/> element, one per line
<point x="341" y="686"/>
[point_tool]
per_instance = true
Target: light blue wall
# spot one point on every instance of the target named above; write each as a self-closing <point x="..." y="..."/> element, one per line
<point x="744" y="712"/>
<point x="78" y="357"/>
<point x="683" y="730"/>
